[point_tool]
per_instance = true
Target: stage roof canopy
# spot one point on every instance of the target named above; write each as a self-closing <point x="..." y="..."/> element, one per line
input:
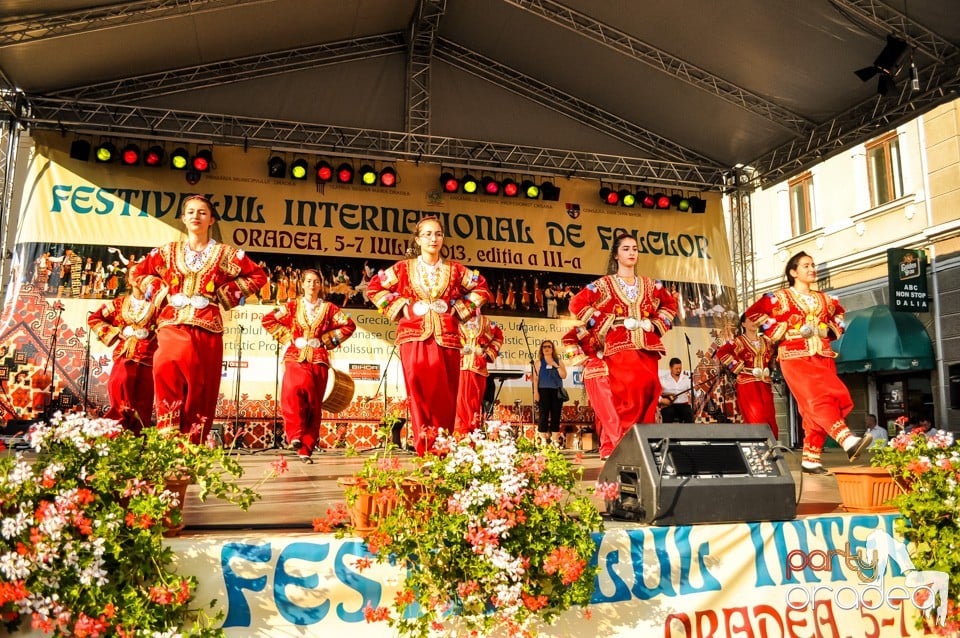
<point x="684" y="91"/>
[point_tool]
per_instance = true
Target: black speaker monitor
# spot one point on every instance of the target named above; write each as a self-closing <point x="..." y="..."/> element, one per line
<point x="680" y="474"/>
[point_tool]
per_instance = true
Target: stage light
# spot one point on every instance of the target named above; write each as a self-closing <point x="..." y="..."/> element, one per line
<point x="276" y="167"/>
<point x="388" y="177"/>
<point x="646" y="200"/>
<point x="298" y="169"/>
<point x="490" y="186"/>
<point x="887" y="65"/>
<point x="153" y="156"/>
<point x="80" y="150"/>
<point x="530" y="189"/>
<point x="675" y="200"/>
<point x="179" y="159"/>
<point x="684" y="204"/>
<point x="609" y="196"/>
<point x="368" y="175"/>
<point x="627" y="198"/>
<point x="662" y="201"/>
<point x="550" y="192"/>
<point x="449" y="183"/>
<point x="324" y="172"/>
<point x="130" y="155"/>
<point x="202" y="161"/>
<point x="345" y="174"/>
<point x="106" y="152"/>
<point x="510" y="188"/>
<point x="193" y="176"/>
<point x="698" y="205"/>
<point x="469" y="184"/>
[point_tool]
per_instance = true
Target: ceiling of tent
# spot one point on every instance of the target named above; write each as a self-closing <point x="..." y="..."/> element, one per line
<point x="651" y="91"/>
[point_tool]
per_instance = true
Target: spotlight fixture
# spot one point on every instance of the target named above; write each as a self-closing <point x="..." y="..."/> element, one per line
<point x="510" y="188"/>
<point x="106" y="152"/>
<point x="887" y="65"/>
<point x="662" y="201"/>
<point x="698" y="205"/>
<point x="609" y="196"/>
<point x="193" y="176"/>
<point x="298" y="169"/>
<point x="324" y="172"/>
<point x="153" y="156"/>
<point x="276" y="167"/>
<point x="130" y="155"/>
<point x="80" y="150"/>
<point x="179" y="159"/>
<point x="469" y="185"/>
<point x="684" y="204"/>
<point x="202" y="161"/>
<point x="449" y="183"/>
<point x="550" y="192"/>
<point x="646" y="199"/>
<point x="368" y="175"/>
<point x="530" y="189"/>
<point x="490" y="186"/>
<point x="388" y="177"/>
<point x="627" y="198"/>
<point x="345" y="173"/>
<point x="675" y="200"/>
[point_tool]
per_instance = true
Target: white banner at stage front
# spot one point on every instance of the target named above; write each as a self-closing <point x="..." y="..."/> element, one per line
<point x="779" y="579"/>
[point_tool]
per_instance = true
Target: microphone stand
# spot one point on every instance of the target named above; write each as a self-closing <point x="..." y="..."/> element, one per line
<point x="47" y="412"/>
<point x="86" y="370"/>
<point x="275" y="442"/>
<point x="533" y="376"/>
<point x="394" y="434"/>
<point x="693" y="395"/>
<point x="237" y="438"/>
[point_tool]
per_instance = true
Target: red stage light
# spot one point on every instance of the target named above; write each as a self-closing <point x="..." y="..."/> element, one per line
<point x="154" y="156"/>
<point x="646" y="199"/>
<point x="490" y="186"/>
<point x="510" y="188"/>
<point x="324" y="172"/>
<point x="388" y="177"/>
<point x="202" y="160"/>
<point x="130" y="155"/>
<point x="609" y="196"/>
<point x="449" y="183"/>
<point x="662" y="200"/>
<point x="345" y="173"/>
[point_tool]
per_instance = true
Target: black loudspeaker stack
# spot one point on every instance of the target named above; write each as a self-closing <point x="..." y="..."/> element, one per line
<point x="681" y="474"/>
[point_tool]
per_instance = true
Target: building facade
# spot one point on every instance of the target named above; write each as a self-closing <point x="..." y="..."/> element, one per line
<point x="899" y="190"/>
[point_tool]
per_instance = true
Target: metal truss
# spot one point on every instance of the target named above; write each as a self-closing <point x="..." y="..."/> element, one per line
<point x="888" y="20"/>
<point x="133" y="121"/>
<point x="13" y="102"/>
<point x="423" y="36"/>
<point x="556" y="100"/>
<point x="741" y="223"/>
<point x="636" y="49"/>
<point x="104" y="17"/>
<point x="939" y="83"/>
<point x="153" y="85"/>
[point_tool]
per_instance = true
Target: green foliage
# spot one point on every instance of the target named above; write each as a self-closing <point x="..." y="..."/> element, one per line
<point x="83" y="518"/>
<point x="928" y="468"/>
<point x="499" y="540"/>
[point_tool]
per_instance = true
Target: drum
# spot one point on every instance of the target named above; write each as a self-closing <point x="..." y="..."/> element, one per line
<point x="339" y="392"/>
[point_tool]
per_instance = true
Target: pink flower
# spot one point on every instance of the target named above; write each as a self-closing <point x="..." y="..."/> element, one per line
<point x="279" y="466"/>
<point x="609" y="491"/>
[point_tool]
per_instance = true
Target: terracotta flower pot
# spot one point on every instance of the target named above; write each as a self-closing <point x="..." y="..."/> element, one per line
<point x="867" y="489"/>
<point x="372" y="506"/>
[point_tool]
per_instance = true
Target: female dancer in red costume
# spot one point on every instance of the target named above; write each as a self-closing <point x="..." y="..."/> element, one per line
<point x="310" y="327"/>
<point x="482" y="340"/>
<point x="429" y="296"/>
<point x="803" y="321"/>
<point x="129" y="321"/>
<point x="582" y="348"/>
<point x="192" y="279"/>
<point x="628" y="314"/>
<point x="748" y="356"/>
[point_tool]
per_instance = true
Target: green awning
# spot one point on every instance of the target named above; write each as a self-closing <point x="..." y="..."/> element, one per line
<point x="879" y="339"/>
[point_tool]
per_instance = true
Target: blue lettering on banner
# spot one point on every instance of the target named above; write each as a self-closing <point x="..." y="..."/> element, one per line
<point x="290" y="611"/>
<point x="238" y="611"/>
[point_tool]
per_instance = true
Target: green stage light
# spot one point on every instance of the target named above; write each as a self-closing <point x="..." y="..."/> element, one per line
<point x="298" y="170"/>
<point x="106" y="152"/>
<point x="179" y="159"/>
<point x="368" y="175"/>
<point x="469" y="185"/>
<point x="627" y="198"/>
<point x="530" y="189"/>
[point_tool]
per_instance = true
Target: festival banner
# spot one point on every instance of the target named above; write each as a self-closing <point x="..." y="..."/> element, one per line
<point x="81" y="224"/>
<point x="832" y="576"/>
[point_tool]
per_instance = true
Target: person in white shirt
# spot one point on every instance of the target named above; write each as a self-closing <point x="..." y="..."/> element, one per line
<point x="676" y="389"/>
<point x="878" y="432"/>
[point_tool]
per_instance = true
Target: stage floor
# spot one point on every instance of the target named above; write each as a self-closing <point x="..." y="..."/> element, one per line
<point x="304" y="492"/>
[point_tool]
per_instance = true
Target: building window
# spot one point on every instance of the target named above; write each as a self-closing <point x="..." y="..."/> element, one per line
<point x="883" y="165"/>
<point x="801" y="204"/>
